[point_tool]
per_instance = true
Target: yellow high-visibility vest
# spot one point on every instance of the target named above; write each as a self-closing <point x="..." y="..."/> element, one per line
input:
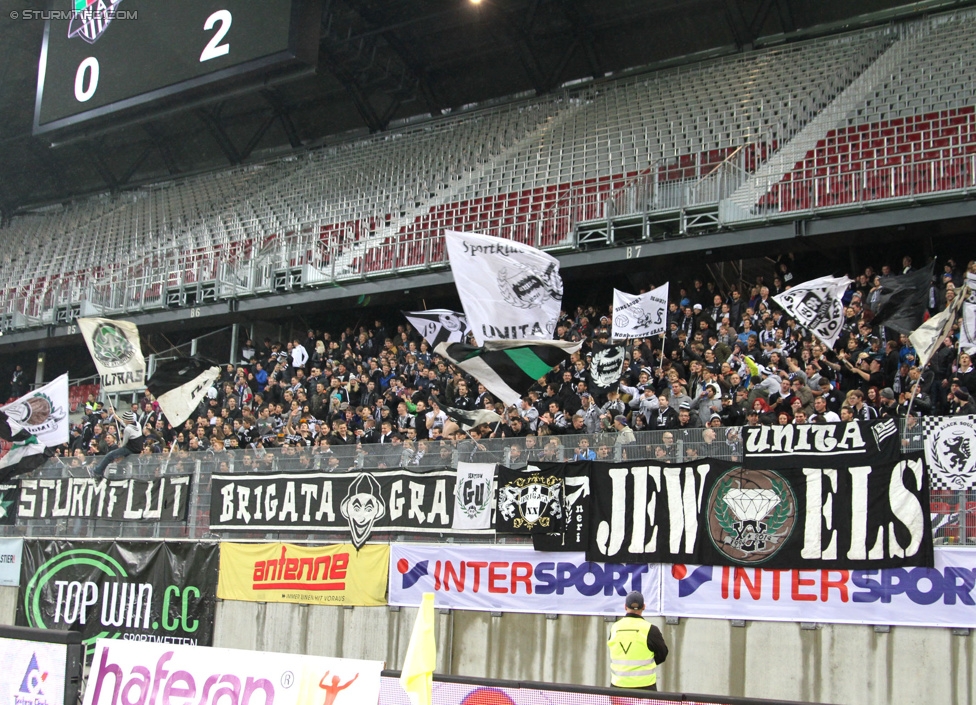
<point x="632" y="664"/>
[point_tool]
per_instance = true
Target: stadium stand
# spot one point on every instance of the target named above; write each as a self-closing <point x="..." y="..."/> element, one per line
<point x="872" y="114"/>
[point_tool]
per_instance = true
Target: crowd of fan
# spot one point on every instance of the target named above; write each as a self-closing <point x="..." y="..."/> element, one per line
<point x="381" y="392"/>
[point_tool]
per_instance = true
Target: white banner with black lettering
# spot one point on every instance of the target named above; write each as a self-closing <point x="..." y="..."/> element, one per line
<point x="950" y="451"/>
<point x="517" y="579"/>
<point x="509" y="291"/>
<point x="942" y="596"/>
<point x="641" y="315"/>
<point x="473" y="495"/>
<point x="115" y="348"/>
<point x="161" y="499"/>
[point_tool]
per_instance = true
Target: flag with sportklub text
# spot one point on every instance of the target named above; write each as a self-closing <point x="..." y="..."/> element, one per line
<point x="816" y="305"/>
<point x="640" y="315"/>
<point x="180" y="385"/>
<point x="509" y="291"/>
<point x="439" y="325"/>
<point x="117" y="353"/>
<point x="508" y="368"/>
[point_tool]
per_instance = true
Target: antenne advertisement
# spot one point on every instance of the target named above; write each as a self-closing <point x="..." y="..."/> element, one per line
<point x="132" y="591"/>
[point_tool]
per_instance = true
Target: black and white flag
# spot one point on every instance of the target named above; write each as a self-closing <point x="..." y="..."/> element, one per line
<point x="180" y="385"/>
<point x="816" y="305"/>
<point x="115" y="348"/>
<point x="508" y="368"/>
<point x="32" y="424"/>
<point x="606" y="366"/>
<point x="641" y="315"/>
<point x="472" y="419"/>
<point x="930" y="336"/>
<point x="439" y="325"/>
<point x="950" y="451"/>
<point x="530" y="501"/>
<point x="509" y="291"/>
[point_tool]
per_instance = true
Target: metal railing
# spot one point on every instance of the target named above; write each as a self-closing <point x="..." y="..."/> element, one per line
<point x="953" y="512"/>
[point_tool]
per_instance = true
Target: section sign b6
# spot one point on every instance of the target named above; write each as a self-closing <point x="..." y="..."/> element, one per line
<point x="162" y="673"/>
<point x="517" y="579"/>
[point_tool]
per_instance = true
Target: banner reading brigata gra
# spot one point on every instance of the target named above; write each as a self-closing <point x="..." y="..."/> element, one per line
<point x="128" y="590"/>
<point x="942" y="596"/>
<point x="163" y="673"/>
<point x="516" y="579"/>
<point x="308" y="575"/>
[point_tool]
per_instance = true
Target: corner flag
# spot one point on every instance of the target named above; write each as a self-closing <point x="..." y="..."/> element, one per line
<point x="417" y="675"/>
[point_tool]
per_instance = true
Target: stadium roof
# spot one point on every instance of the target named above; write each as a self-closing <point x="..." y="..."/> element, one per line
<point x="382" y="62"/>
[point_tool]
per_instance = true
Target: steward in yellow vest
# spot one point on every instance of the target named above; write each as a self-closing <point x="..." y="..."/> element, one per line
<point x="636" y="648"/>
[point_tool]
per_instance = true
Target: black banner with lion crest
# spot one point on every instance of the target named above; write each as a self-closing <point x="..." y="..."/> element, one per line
<point x="719" y="513"/>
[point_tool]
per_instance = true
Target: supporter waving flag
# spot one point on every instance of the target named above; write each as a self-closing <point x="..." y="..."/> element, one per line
<point x="642" y="315"/>
<point x="928" y="337"/>
<point x="180" y="385"/>
<point x="817" y="306"/>
<point x="901" y="302"/>
<point x="509" y="291"/>
<point x="508" y="368"/>
<point x="439" y="325"/>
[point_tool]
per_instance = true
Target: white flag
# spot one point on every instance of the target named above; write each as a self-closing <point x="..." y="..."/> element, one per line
<point x="473" y="495"/>
<point x="509" y="291"/>
<point x="115" y="348"/>
<point x="928" y="337"/>
<point x="177" y="404"/>
<point x="439" y="325"/>
<point x="642" y="315"/>
<point x="43" y="413"/>
<point x="816" y="305"/>
<point x="967" y="324"/>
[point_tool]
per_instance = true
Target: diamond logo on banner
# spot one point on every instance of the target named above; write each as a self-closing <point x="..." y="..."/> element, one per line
<point x="752" y="513"/>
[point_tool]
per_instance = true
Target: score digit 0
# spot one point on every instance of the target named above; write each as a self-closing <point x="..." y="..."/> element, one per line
<point x="88" y="66"/>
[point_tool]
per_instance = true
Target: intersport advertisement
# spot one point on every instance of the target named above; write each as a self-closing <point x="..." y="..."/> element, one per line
<point x="516" y="579"/>
<point x="942" y="596"/>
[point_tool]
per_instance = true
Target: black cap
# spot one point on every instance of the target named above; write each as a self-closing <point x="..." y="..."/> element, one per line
<point x="635" y="601"/>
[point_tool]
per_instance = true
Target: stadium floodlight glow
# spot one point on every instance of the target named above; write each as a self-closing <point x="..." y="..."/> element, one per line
<point x="475" y="2"/>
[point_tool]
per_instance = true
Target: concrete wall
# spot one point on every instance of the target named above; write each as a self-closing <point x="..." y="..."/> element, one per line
<point x="834" y="663"/>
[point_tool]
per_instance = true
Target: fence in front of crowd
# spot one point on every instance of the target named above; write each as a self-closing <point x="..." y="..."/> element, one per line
<point x="953" y="512"/>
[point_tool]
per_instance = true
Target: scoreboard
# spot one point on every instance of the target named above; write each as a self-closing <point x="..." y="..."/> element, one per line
<point x="103" y="56"/>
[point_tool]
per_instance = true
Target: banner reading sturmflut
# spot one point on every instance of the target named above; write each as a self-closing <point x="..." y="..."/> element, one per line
<point x="117" y="352"/>
<point x="128" y="590"/>
<point x="718" y="513"/>
<point x="162" y="499"/>
<point x="358" y="502"/>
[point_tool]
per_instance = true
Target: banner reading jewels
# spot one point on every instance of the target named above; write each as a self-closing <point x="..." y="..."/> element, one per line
<point x="718" y="513"/>
<point x="394" y="500"/>
<point x="942" y="596"/>
<point x="516" y="579"/>
<point x="316" y="575"/>
<point x="129" y="590"/>
<point x="163" y="499"/>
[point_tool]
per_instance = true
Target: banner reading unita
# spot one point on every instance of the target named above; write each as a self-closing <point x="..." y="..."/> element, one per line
<point x="320" y="575"/>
